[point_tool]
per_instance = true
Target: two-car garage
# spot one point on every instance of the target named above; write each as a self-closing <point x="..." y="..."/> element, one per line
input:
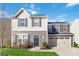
<point x="59" y="40"/>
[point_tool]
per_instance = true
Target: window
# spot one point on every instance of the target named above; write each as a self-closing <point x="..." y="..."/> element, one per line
<point x="66" y="37"/>
<point x="22" y="22"/>
<point x="61" y="28"/>
<point x="22" y="38"/>
<point x="56" y="37"/>
<point x="19" y="39"/>
<point x="36" y="22"/>
<point x="61" y="37"/>
<point x="50" y="38"/>
<point x="49" y="28"/>
<point x="25" y="37"/>
<point x="68" y="28"/>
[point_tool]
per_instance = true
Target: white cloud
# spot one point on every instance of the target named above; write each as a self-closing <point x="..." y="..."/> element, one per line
<point x="71" y="4"/>
<point x="33" y="9"/>
<point x="5" y="14"/>
<point x="26" y="5"/>
<point x="32" y="6"/>
<point x="60" y="18"/>
<point x="34" y="12"/>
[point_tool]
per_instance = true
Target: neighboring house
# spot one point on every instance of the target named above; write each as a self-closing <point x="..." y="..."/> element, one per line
<point x="5" y="31"/>
<point x="28" y="29"/>
<point x="74" y="28"/>
<point x="59" y="34"/>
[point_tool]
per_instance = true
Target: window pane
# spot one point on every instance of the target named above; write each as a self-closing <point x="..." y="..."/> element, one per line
<point x="61" y="37"/>
<point x="36" y="22"/>
<point x="25" y="36"/>
<point x="66" y="37"/>
<point x="19" y="41"/>
<point x="22" y="22"/>
<point x="19" y="36"/>
<point x="40" y="22"/>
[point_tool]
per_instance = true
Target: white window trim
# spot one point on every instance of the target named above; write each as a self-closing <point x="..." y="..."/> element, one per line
<point x="22" y="22"/>
<point x="22" y="37"/>
<point x="38" y="21"/>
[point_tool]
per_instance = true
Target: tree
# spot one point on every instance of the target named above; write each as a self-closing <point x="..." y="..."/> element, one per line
<point x="3" y="26"/>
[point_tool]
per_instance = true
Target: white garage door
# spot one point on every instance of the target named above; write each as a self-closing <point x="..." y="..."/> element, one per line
<point x="62" y="42"/>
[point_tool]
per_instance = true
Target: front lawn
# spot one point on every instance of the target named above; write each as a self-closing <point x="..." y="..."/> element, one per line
<point x="24" y="52"/>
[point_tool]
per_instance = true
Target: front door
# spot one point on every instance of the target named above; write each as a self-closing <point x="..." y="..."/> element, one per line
<point x="36" y="40"/>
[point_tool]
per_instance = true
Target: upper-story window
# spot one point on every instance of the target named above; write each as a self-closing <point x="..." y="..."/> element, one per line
<point x="61" y="28"/>
<point x="64" y="28"/>
<point x="68" y="28"/>
<point x="22" y="22"/>
<point x="36" y="22"/>
<point x="49" y="28"/>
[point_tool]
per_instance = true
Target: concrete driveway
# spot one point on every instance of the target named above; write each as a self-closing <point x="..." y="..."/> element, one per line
<point x="70" y="51"/>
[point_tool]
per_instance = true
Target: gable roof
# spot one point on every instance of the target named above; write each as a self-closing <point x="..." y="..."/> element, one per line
<point x="20" y="11"/>
<point x="39" y="15"/>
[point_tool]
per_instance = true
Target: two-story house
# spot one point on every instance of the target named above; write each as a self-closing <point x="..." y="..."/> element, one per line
<point x="26" y="29"/>
<point x="59" y="34"/>
<point x="33" y="30"/>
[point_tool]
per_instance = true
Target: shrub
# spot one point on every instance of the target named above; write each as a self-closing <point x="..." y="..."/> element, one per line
<point x="14" y="46"/>
<point x="44" y="45"/>
<point x="75" y="44"/>
<point x="30" y="45"/>
<point x="8" y="45"/>
<point x="24" y="46"/>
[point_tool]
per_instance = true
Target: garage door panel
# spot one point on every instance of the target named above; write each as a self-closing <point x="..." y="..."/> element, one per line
<point x="52" y="42"/>
<point x="63" y="43"/>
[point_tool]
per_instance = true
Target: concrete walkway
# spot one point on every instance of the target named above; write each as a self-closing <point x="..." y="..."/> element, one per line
<point x="70" y="51"/>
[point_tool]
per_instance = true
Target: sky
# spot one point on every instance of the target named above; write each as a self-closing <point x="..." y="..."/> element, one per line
<point x="57" y="12"/>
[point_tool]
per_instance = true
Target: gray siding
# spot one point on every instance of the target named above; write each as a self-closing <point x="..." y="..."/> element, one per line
<point x="58" y="27"/>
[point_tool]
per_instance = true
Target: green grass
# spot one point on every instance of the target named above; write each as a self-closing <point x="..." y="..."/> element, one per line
<point x="22" y="52"/>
